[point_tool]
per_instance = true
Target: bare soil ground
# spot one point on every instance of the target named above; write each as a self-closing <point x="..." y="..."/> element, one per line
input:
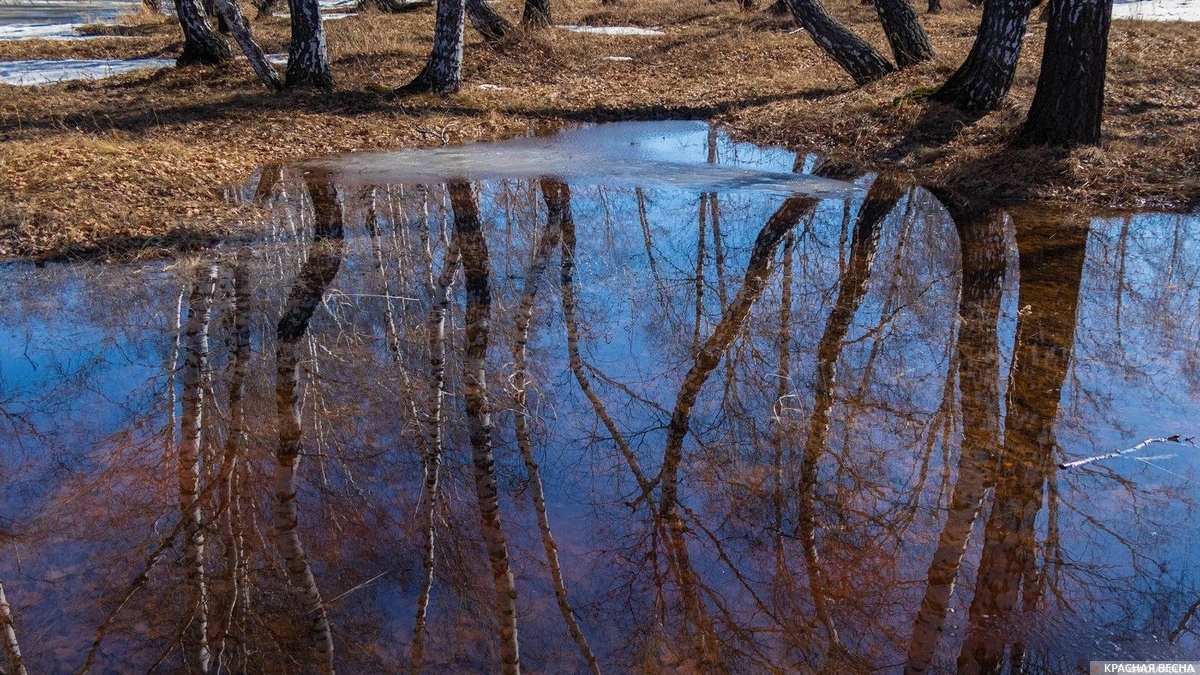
<point x="142" y="163"/>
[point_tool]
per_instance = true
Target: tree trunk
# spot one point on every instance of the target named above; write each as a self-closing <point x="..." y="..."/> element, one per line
<point x="394" y="6"/>
<point x="324" y="260"/>
<point x="308" y="57"/>
<point x="855" y="55"/>
<point x="983" y="80"/>
<point x="490" y="24"/>
<point x="910" y="44"/>
<point x="1069" y="101"/>
<point x="264" y="8"/>
<point x="472" y="246"/>
<point x="442" y="74"/>
<point x="200" y="43"/>
<point x="984" y="259"/>
<point x="196" y="653"/>
<point x="935" y="6"/>
<point x="537" y="14"/>
<point x="240" y="29"/>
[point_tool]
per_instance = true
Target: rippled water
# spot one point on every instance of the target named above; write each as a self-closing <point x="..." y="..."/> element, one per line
<point x="773" y="433"/>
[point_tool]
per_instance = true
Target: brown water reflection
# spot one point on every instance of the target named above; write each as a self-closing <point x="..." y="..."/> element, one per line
<point x="735" y="432"/>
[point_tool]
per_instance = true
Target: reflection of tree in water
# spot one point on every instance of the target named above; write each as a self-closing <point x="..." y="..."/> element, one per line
<point x="781" y="517"/>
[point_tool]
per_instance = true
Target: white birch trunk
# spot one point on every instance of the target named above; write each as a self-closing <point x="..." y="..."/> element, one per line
<point x="9" y="634"/>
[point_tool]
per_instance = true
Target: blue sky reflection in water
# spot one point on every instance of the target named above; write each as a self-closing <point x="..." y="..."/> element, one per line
<point x="914" y="378"/>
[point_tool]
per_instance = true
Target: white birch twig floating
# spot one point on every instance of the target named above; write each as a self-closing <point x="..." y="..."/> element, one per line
<point x="1088" y="460"/>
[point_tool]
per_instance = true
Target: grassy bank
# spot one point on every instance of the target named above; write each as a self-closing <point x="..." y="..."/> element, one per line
<point x="140" y="162"/>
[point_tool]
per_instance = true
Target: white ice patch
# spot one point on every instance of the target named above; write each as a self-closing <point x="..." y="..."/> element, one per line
<point x="1158" y="10"/>
<point x="623" y="154"/>
<point x="57" y="19"/>
<point x="612" y="30"/>
<point x="61" y="70"/>
<point x="617" y="58"/>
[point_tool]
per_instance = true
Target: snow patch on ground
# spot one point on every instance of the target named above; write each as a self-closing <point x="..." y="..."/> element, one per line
<point x="60" y="70"/>
<point x="617" y="58"/>
<point x="611" y="30"/>
<point x="56" y="19"/>
<point x="1158" y="10"/>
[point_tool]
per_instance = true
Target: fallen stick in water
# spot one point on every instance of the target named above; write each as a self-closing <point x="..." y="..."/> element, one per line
<point x="1126" y="451"/>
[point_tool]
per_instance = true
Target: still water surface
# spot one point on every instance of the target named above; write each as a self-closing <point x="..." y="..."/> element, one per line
<point x="777" y="425"/>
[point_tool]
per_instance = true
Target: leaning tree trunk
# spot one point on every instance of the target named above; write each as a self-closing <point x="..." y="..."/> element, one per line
<point x="537" y="14"/>
<point x="200" y="43"/>
<point x="487" y="21"/>
<point x="240" y="29"/>
<point x="910" y="44"/>
<point x="855" y="55"/>
<point x="442" y="74"/>
<point x="1069" y="100"/>
<point x="308" y="56"/>
<point x="472" y="246"/>
<point x="324" y="260"/>
<point x="983" y="80"/>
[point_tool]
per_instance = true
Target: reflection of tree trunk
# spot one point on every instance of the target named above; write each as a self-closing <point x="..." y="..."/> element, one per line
<point x="783" y="581"/>
<point x="1051" y="270"/>
<point x="433" y="433"/>
<point x="196" y="653"/>
<point x="981" y="239"/>
<point x="236" y="583"/>
<point x="324" y="260"/>
<point x="520" y="378"/>
<point x="9" y="634"/>
<point x="468" y="231"/>
<point x="699" y="278"/>
<point x="707" y="357"/>
<point x="880" y="201"/>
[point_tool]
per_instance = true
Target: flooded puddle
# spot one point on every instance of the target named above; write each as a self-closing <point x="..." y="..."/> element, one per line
<point x="801" y="425"/>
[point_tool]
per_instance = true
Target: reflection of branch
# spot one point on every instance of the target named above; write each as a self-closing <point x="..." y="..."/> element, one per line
<point x="1088" y="460"/>
<point x="519" y="382"/>
<point x="567" y="283"/>
<point x="1187" y="616"/>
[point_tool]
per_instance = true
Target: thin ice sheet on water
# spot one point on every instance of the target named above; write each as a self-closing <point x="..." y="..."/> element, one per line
<point x="611" y="30"/>
<point x="57" y="19"/>
<point x="1158" y="10"/>
<point x="622" y="154"/>
<point x="60" y="70"/>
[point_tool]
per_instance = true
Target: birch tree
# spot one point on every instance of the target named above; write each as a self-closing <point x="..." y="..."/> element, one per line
<point x="983" y="80"/>
<point x="855" y="55"/>
<point x="201" y="44"/>
<point x="308" y="55"/>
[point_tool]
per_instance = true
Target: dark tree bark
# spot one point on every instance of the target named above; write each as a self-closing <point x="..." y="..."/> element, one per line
<point x="935" y="6"/>
<point x="200" y="43"/>
<point x="232" y="18"/>
<point x="394" y="6"/>
<point x="484" y="19"/>
<point x="910" y="44"/>
<point x="308" y="57"/>
<point x="264" y="8"/>
<point x="442" y="74"/>
<point x="855" y="55"/>
<point x="1069" y="101"/>
<point x="537" y="14"/>
<point x="983" y="80"/>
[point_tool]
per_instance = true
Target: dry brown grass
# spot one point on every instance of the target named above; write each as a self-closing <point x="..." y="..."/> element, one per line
<point x="127" y="163"/>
